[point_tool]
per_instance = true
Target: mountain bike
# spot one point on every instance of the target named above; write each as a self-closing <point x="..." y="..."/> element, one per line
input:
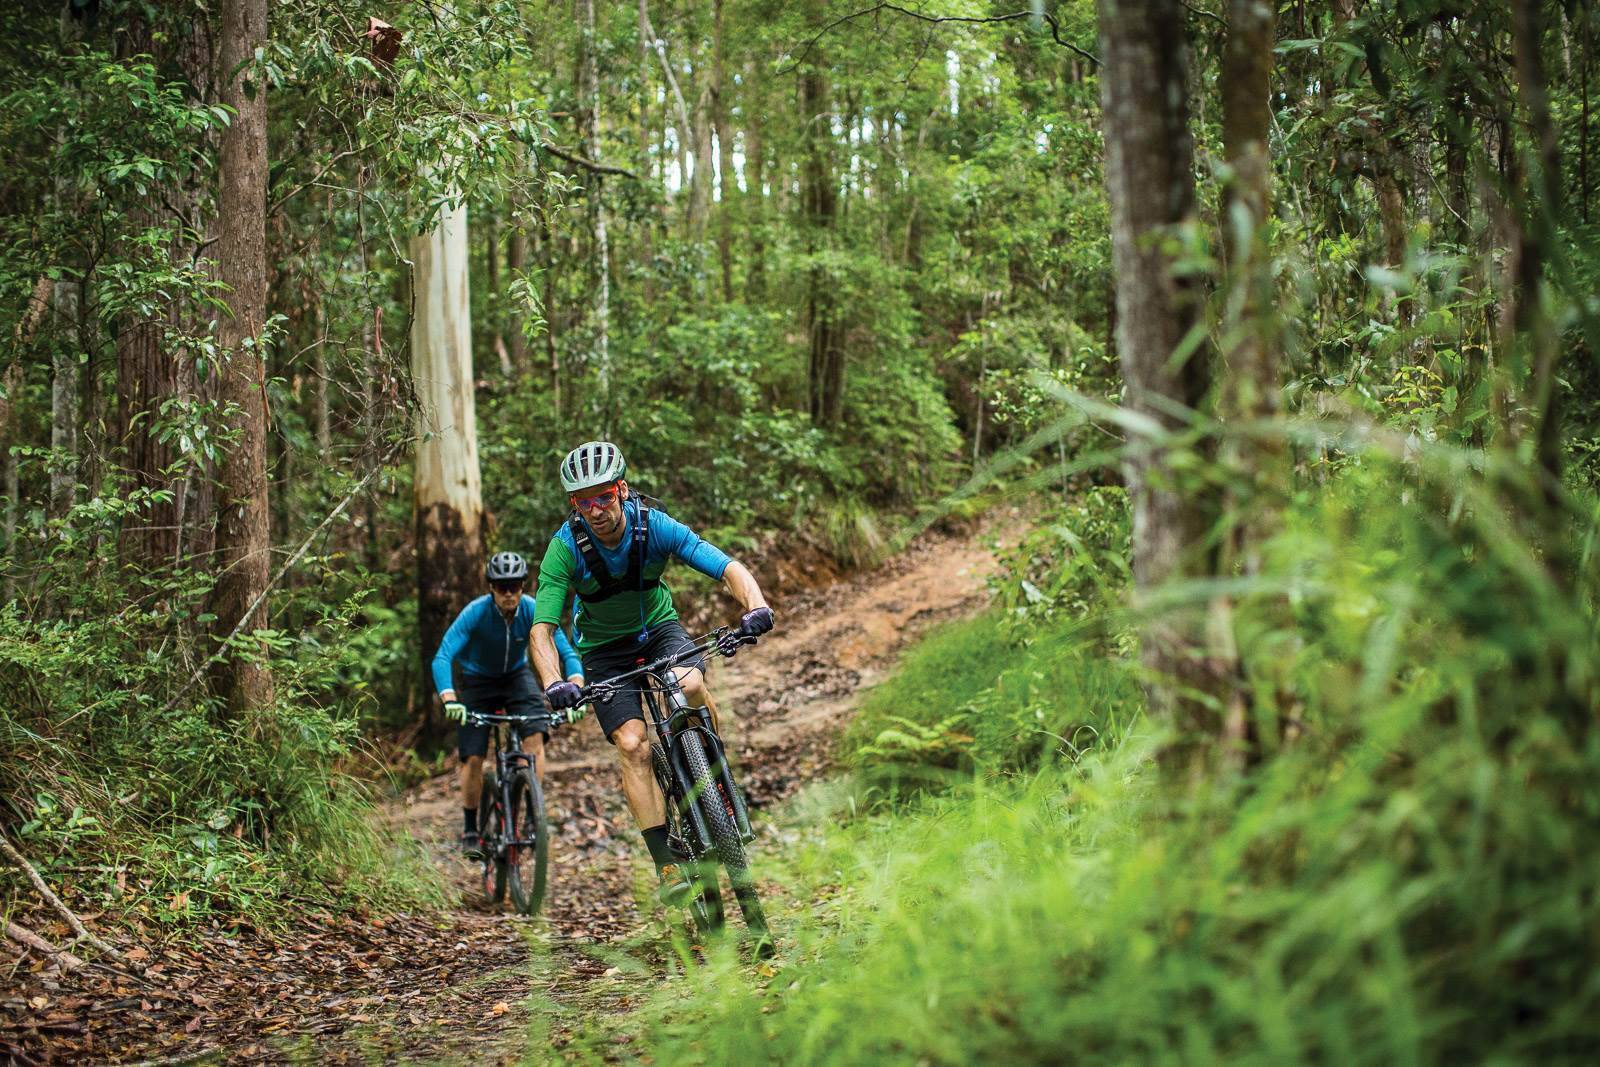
<point x="708" y="822"/>
<point x="511" y="820"/>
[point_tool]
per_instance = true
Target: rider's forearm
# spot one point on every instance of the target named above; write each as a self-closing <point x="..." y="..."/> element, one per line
<point x="742" y="584"/>
<point x="448" y="696"/>
<point x="542" y="653"/>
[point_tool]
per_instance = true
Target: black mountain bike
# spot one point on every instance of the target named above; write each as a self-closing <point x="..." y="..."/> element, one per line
<point x="707" y="821"/>
<point x="511" y="820"/>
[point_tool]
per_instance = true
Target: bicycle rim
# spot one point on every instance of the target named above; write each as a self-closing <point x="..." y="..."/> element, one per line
<point x="527" y="865"/>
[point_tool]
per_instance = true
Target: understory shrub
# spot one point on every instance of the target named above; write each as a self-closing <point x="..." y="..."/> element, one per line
<point x="1408" y="879"/>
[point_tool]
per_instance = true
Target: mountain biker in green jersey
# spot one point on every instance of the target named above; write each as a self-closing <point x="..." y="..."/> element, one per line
<point x="610" y="553"/>
<point x="482" y="666"/>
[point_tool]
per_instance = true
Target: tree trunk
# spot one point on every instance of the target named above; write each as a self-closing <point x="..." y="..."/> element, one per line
<point x="754" y="203"/>
<point x="242" y="547"/>
<point x="552" y="355"/>
<point x="516" y="265"/>
<point x="1536" y="334"/>
<point x="589" y="104"/>
<point x="1149" y="160"/>
<point x="820" y="204"/>
<point x="1251" y="385"/>
<point x="449" y="502"/>
<point x="64" y="399"/>
<point x="726" y="182"/>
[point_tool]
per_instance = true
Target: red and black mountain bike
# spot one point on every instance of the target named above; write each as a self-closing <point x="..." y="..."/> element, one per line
<point x="516" y="838"/>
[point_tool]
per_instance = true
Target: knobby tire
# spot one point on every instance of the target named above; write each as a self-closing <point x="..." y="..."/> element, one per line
<point x="528" y="867"/>
<point x="706" y="908"/>
<point x="715" y="805"/>
<point x="491" y="829"/>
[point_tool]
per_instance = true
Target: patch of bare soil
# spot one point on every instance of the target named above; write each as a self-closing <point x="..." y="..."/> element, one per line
<point x="456" y="985"/>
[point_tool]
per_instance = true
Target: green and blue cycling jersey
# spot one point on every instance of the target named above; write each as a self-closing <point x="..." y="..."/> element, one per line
<point x="489" y="645"/>
<point x="564" y="574"/>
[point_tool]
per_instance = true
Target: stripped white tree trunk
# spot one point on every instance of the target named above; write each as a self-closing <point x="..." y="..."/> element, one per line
<point x="447" y="490"/>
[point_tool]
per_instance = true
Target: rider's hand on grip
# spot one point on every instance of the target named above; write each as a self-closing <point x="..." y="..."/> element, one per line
<point x="563" y="695"/>
<point x="756" y="622"/>
<point x="455" y="711"/>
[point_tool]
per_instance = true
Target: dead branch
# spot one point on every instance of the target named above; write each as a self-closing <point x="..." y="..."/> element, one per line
<point x="27" y="938"/>
<point x="54" y="901"/>
<point x="1047" y="18"/>
<point x="587" y="164"/>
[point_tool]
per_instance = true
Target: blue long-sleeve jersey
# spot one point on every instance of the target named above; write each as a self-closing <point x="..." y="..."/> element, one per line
<point x="488" y="644"/>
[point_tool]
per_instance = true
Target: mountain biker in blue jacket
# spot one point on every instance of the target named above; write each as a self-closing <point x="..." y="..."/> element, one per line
<point x="482" y="666"/>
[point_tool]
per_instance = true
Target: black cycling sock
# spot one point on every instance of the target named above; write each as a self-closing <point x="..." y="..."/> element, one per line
<point x="655" y="839"/>
<point x="469" y="820"/>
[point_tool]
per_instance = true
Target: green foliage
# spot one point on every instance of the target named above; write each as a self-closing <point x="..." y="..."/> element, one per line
<point x="178" y="809"/>
<point x="1407" y="881"/>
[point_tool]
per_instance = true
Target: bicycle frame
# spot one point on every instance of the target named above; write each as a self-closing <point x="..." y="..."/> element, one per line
<point x="508" y="758"/>
<point x="671" y="718"/>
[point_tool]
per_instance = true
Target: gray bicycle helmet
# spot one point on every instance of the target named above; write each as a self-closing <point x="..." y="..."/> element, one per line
<point x="592" y="463"/>
<point x="507" y="567"/>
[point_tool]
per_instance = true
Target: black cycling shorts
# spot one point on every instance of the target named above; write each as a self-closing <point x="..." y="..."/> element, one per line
<point x="515" y="694"/>
<point x="620" y="657"/>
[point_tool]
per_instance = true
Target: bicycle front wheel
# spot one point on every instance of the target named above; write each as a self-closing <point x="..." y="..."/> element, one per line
<point x="527" y="862"/>
<point x="717" y="807"/>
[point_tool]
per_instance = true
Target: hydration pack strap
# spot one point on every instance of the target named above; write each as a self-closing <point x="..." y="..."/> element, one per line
<point x="610" y="585"/>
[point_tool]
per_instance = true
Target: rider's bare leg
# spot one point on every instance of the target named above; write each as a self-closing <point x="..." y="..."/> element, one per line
<point x="697" y="693"/>
<point x="533" y="745"/>
<point x="471" y="781"/>
<point x="638" y="781"/>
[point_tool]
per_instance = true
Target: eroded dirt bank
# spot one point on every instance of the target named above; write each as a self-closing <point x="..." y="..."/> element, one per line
<point x="454" y="985"/>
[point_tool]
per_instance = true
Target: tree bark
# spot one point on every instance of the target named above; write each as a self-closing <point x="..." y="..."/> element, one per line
<point x="1149" y="176"/>
<point x="754" y="203"/>
<point x="1536" y="333"/>
<point x="820" y="205"/>
<point x="726" y="182"/>
<point x="516" y="264"/>
<point x="589" y="103"/>
<point x="448" y="497"/>
<point x="242" y="508"/>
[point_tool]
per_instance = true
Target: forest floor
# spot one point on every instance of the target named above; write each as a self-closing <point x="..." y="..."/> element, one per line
<point x="458" y="984"/>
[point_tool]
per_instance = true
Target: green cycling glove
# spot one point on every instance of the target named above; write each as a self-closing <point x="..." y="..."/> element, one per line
<point x="455" y="710"/>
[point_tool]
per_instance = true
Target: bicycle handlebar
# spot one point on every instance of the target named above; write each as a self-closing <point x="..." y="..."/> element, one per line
<point x="484" y="718"/>
<point x="602" y="692"/>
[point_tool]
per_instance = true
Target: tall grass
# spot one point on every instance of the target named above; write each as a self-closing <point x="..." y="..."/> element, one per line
<point x="1411" y="879"/>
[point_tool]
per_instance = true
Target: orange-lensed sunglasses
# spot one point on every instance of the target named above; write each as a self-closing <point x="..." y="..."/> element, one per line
<point x="598" y="502"/>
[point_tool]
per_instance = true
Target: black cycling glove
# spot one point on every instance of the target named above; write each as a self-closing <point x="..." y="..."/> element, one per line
<point x="563" y="695"/>
<point x="756" y="622"/>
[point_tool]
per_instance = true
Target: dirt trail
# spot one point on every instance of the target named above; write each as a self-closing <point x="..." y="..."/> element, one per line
<point x="454" y="986"/>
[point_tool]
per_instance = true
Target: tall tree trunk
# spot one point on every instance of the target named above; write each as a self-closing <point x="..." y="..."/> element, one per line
<point x="552" y="354"/>
<point x="1535" y="331"/>
<point x="449" y="502"/>
<point x="754" y="204"/>
<point x="820" y="204"/>
<point x="516" y="266"/>
<point x="690" y="171"/>
<point x="1149" y="176"/>
<point x="647" y="225"/>
<point x="1251" y="383"/>
<point x="589" y="103"/>
<point x="726" y="181"/>
<point x="64" y="398"/>
<point x="239" y="597"/>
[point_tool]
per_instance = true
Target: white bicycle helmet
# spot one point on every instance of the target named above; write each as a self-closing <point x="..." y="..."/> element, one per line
<point x="592" y="463"/>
